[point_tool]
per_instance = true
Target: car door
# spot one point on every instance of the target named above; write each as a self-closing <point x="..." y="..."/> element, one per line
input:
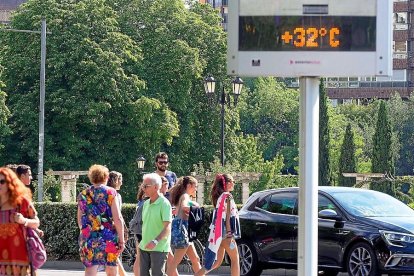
<point x="273" y="225"/>
<point x="331" y="235"/>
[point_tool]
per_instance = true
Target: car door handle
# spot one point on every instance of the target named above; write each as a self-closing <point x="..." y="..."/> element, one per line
<point x="261" y="224"/>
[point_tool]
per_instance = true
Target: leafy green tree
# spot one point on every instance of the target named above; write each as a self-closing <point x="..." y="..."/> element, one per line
<point x="4" y="115"/>
<point x="324" y="140"/>
<point x="382" y="159"/>
<point x="96" y="111"/>
<point x="347" y="160"/>
<point x="269" y="111"/>
<point x="180" y="46"/>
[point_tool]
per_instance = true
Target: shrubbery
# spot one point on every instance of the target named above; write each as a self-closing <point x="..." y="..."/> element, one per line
<point x="58" y="221"/>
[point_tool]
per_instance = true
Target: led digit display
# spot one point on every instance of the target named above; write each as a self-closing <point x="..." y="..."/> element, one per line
<point x="307" y="33"/>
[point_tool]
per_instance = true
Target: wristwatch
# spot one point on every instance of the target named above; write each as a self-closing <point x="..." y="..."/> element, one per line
<point x="155" y="242"/>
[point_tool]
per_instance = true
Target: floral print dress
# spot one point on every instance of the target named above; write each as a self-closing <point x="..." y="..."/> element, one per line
<point x="98" y="239"/>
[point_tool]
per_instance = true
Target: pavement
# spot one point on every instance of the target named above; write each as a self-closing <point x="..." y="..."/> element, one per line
<point x="70" y="268"/>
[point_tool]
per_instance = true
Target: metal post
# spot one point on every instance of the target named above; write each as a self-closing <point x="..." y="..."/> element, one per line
<point x="308" y="176"/>
<point x="42" y="109"/>
<point x="223" y="103"/>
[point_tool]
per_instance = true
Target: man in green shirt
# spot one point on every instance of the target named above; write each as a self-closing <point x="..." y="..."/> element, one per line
<point x="156" y="228"/>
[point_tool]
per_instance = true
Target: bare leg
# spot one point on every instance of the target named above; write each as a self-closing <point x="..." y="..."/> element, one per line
<point x="91" y="271"/>
<point x="194" y="258"/>
<point x="121" y="268"/>
<point x="136" y="263"/>
<point x="170" y="259"/>
<point x="178" y="256"/>
<point x="111" y="270"/>
<point x="233" y="254"/>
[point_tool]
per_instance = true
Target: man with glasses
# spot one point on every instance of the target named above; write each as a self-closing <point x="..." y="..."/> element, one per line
<point x="161" y="163"/>
<point x="156" y="228"/>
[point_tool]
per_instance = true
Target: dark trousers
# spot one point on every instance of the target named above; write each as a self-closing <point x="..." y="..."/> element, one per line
<point x="152" y="260"/>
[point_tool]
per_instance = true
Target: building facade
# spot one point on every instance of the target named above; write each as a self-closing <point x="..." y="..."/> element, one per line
<point x="6" y="8"/>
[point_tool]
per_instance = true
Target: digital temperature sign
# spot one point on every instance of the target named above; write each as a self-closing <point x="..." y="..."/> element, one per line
<point x="307" y="33"/>
<point x="302" y="38"/>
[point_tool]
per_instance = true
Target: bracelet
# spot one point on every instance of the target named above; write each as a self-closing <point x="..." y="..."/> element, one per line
<point x="26" y="222"/>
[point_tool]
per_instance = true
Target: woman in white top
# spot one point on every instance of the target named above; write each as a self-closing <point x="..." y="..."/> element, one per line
<point x="115" y="181"/>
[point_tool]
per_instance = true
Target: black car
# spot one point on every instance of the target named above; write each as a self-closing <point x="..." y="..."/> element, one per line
<point x="361" y="231"/>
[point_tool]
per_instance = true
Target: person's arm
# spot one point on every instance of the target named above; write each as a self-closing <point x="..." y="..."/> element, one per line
<point x="228" y="226"/>
<point x="164" y="233"/>
<point x="117" y="218"/>
<point x="31" y="221"/>
<point x="79" y="216"/>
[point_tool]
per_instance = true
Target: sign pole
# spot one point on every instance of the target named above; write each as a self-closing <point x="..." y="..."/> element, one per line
<point x="308" y="176"/>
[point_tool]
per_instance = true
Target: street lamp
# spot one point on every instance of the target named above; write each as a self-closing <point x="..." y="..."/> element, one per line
<point x="42" y="33"/>
<point x="141" y="163"/>
<point x="209" y="87"/>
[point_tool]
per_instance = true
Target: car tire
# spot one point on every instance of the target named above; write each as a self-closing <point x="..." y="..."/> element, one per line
<point x="361" y="260"/>
<point x="249" y="264"/>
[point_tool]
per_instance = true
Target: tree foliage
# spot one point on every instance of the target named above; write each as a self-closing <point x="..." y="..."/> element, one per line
<point x="324" y="139"/>
<point x="347" y="160"/>
<point x="95" y="111"/>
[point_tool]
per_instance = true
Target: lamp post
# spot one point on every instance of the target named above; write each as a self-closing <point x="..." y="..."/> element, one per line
<point x="224" y="98"/>
<point x="42" y="33"/>
<point x="141" y="163"/>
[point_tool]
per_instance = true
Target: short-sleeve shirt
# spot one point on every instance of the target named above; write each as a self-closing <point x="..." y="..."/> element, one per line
<point x="172" y="178"/>
<point x="153" y="216"/>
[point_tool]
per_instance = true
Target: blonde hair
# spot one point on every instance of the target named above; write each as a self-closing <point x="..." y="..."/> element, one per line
<point x="98" y="174"/>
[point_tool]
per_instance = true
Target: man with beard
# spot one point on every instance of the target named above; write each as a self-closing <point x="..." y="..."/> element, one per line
<point x="161" y="163"/>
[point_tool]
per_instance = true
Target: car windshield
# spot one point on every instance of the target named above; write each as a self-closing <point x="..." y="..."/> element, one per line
<point x="366" y="203"/>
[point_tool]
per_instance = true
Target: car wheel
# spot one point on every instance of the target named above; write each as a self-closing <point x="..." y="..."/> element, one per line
<point x="361" y="261"/>
<point x="249" y="265"/>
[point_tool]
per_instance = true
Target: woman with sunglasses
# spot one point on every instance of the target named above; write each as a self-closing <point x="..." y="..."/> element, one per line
<point x="16" y="212"/>
<point x="181" y="197"/>
<point x="224" y="227"/>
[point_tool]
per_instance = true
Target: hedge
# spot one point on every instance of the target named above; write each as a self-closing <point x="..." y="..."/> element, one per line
<point x="58" y="221"/>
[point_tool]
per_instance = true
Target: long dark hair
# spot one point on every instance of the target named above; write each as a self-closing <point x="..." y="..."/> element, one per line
<point x="113" y="178"/>
<point x="219" y="186"/>
<point x="179" y="188"/>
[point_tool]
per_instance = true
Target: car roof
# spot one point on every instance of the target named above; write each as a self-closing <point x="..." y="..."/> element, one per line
<point x="327" y="189"/>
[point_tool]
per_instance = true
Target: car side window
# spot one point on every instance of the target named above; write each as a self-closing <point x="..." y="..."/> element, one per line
<point x="278" y="203"/>
<point x="325" y="203"/>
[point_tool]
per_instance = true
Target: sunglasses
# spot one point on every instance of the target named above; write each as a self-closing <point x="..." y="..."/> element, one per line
<point x="3" y="181"/>
<point x="163" y="162"/>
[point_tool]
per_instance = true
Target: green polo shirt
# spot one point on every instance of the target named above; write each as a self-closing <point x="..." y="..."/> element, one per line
<point x="153" y="216"/>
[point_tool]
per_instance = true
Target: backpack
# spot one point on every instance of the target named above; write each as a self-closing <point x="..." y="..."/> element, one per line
<point x="196" y="220"/>
<point x="135" y="225"/>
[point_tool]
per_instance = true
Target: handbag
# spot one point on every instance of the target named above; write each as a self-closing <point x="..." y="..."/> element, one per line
<point x="196" y="221"/>
<point x="35" y="248"/>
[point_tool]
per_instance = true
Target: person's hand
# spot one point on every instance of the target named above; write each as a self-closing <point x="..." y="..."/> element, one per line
<point x="121" y="246"/>
<point x="151" y="245"/>
<point x="40" y="232"/>
<point x="19" y="218"/>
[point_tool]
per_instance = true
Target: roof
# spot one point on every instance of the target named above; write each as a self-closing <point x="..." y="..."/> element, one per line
<point x="10" y="4"/>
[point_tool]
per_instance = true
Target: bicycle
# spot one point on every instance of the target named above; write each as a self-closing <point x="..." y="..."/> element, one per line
<point x="129" y="253"/>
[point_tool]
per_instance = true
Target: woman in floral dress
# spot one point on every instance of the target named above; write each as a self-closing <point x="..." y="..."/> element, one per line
<point x="16" y="212"/>
<point x="101" y="238"/>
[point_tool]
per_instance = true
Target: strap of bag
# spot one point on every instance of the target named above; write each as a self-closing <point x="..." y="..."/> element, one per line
<point x="24" y="230"/>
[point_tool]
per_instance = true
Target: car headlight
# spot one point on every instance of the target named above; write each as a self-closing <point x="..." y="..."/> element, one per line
<point x="396" y="238"/>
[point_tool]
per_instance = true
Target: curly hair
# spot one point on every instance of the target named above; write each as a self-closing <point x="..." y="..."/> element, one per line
<point x="97" y="174"/>
<point x="219" y="186"/>
<point x="16" y="189"/>
<point x="180" y="187"/>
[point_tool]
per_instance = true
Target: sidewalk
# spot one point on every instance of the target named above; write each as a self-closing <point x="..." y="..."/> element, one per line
<point x="61" y="268"/>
